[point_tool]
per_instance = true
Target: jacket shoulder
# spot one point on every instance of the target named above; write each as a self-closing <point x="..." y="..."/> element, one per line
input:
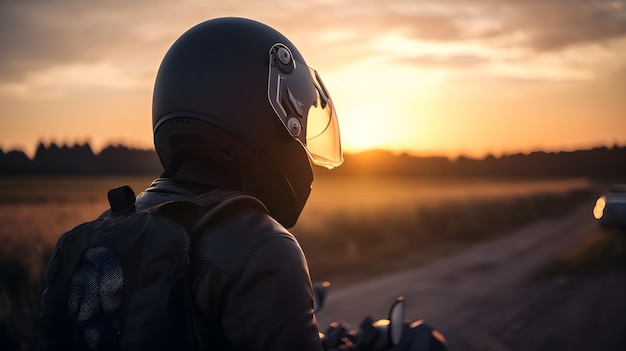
<point x="236" y="233"/>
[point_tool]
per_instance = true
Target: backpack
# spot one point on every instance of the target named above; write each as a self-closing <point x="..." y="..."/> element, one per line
<point x="121" y="281"/>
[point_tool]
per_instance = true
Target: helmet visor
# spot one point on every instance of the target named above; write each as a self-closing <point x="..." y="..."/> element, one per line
<point x="303" y="105"/>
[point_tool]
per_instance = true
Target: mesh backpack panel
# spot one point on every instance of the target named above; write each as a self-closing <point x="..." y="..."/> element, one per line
<point x="95" y="298"/>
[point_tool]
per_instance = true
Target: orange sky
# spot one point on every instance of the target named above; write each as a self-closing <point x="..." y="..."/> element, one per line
<point x="461" y="76"/>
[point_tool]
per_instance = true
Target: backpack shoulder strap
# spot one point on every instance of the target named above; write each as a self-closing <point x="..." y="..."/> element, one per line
<point x="216" y="200"/>
<point x="224" y="199"/>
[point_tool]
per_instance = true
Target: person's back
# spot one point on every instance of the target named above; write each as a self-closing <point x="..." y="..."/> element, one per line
<point x="236" y="107"/>
<point x="251" y="288"/>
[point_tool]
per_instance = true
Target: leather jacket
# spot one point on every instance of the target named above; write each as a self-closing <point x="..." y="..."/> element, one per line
<point x="250" y="281"/>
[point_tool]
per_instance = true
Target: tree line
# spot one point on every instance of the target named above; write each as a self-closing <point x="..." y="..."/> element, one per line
<point x="79" y="159"/>
<point x="600" y="162"/>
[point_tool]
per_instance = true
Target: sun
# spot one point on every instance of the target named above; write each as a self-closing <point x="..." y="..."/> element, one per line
<point x="365" y="127"/>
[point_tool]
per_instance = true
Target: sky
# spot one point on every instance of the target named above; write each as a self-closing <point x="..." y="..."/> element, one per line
<point x="428" y="77"/>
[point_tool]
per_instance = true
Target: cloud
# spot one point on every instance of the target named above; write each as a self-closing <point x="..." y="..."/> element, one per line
<point x="543" y="25"/>
<point x="536" y="25"/>
<point x="40" y="37"/>
<point x="60" y="81"/>
<point x="555" y="25"/>
<point x="525" y="39"/>
<point x="451" y="61"/>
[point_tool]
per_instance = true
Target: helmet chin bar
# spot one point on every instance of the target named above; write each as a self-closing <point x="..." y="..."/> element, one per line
<point x="181" y="134"/>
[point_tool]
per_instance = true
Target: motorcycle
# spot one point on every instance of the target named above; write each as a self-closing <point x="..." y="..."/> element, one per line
<point x="391" y="333"/>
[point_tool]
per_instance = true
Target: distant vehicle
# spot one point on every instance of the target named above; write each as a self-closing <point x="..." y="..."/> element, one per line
<point x="610" y="209"/>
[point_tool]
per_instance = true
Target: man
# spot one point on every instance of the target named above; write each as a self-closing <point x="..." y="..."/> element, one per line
<point x="236" y="107"/>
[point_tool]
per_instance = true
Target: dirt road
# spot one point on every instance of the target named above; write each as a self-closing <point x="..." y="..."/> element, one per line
<point x="488" y="297"/>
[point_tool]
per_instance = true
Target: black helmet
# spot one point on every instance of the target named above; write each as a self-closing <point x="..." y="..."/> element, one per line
<point x="235" y="102"/>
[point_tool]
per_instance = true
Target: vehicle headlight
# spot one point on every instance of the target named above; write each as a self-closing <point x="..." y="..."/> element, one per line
<point x="598" y="210"/>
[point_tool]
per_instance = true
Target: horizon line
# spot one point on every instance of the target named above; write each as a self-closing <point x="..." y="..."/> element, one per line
<point x="393" y="152"/>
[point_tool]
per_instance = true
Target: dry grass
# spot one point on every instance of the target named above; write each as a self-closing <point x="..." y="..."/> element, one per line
<point x="588" y="256"/>
<point x="28" y="232"/>
<point x="379" y="194"/>
<point x="351" y="229"/>
<point x="353" y="245"/>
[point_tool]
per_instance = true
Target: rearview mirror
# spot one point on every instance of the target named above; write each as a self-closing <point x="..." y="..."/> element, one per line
<point x="396" y="320"/>
<point x="320" y="291"/>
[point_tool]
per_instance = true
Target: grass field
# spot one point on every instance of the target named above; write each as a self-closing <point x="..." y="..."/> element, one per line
<point x="351" y="229"/>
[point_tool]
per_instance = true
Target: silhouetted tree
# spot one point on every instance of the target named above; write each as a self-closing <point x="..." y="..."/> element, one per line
<point x="76" y="159"/>
<point x="122" y="160"/>
<point x="14" y="162"/>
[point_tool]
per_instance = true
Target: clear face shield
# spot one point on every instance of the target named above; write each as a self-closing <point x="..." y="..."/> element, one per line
<point x="303" y="105"/>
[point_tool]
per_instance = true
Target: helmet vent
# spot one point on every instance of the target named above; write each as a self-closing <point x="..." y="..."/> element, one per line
<point x="179" y="121"/>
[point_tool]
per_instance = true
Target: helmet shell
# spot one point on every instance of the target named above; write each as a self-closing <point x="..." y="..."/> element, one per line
<point x="211" y="104"/>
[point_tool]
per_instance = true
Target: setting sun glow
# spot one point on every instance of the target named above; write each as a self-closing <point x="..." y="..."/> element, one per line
<point x="366" y="127"/>
<point x="465" y="78"/>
